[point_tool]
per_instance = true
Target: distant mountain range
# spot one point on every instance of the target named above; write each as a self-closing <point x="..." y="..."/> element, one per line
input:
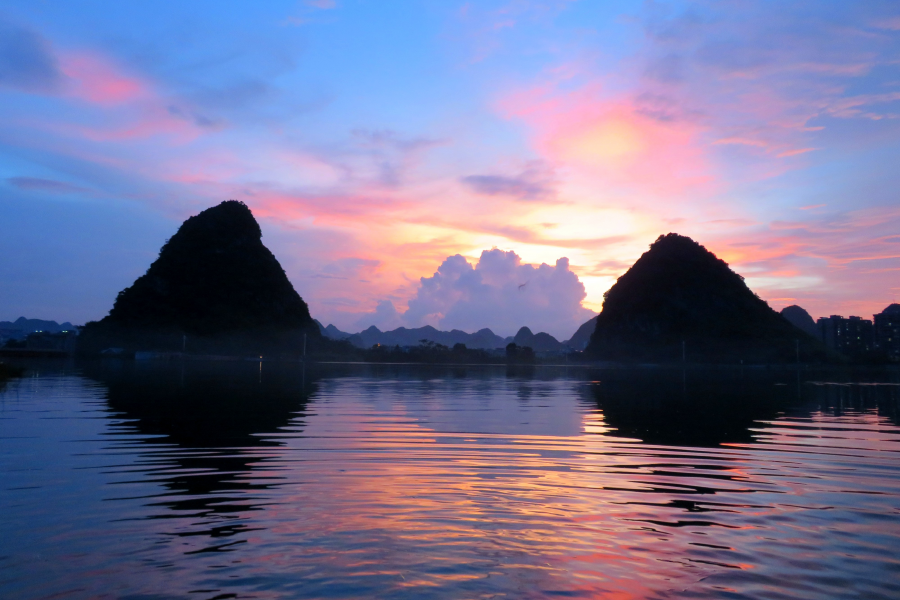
<point x="582" y="337"/>
<point x="21" y="327"/>
<point x="485" y="339"/>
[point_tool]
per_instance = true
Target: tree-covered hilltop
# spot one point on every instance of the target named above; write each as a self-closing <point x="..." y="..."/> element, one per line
<point x="215" y="284"/>
<point x="678" y="295"/>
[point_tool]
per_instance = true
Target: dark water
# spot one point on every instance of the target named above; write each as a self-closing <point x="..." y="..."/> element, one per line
<point x="241" y="480"/>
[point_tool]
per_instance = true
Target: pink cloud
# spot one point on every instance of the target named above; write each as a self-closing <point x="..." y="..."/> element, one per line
<point x="796" y="152"/>
<point x="95" y="79"/>
<point x="144" y="122"/>
<point x="889" y="23"/>
<point x="739" y="142"/>
<point x="829" y="264"/>
<point x="613" y="137"/>
<point x="120" y="107"/>
<point x="329" y="208"/>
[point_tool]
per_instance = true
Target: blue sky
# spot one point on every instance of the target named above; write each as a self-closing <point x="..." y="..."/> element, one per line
<point x="375" y="141"/>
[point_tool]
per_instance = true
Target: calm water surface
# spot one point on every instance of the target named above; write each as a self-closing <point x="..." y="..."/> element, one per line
<point x="246" y="480"/>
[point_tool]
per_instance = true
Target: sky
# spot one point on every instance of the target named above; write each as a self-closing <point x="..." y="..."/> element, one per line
<point x="458" y="164"/>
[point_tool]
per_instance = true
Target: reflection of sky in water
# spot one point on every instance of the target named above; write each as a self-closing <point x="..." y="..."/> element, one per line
<point x="498" y="406"/>
<point x="437" y="483"/>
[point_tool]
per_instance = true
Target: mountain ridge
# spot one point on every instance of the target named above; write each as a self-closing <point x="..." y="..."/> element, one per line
<point x="26" y="326"/>
<point x="799" y="318"/>
<point x="680" y="300"/>
<point x="215" y="283"/>
<point x="483" y="339"/>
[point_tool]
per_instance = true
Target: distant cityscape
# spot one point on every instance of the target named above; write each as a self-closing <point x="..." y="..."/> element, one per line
<point x="860" y="338"/>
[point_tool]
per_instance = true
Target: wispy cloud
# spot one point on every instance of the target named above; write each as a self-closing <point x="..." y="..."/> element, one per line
<point x="94" y="79"/>
<point x="536" y="182"/>
<point x="798" y="151"/>
<point x="27" y="61"/>
<point x="44" y="185"/>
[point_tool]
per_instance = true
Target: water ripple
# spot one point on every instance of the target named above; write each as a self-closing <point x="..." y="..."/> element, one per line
<point x="198" y="481"/>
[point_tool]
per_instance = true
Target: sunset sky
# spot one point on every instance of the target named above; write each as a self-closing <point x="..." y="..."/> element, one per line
<point x="546" y="143"/>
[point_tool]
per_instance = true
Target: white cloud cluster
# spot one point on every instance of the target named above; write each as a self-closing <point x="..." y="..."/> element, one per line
<point x="499" y="292"/>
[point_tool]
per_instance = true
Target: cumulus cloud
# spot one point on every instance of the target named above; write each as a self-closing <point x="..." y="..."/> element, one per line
<point x="385" y="317"/>
<point x="26" y="61"/>
<point x="499" y="292"/>
<point x="536" y="182"/>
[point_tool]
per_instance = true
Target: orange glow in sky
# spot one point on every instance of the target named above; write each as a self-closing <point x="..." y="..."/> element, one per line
<point x="371" y="155"/>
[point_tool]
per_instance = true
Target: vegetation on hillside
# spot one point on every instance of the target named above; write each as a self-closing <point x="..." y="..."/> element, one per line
<point x="680" y="300"/>
<point x="215" y="288"/>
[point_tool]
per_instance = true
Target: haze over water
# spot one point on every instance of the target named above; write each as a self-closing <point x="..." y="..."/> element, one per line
<point x="248" y="480"/>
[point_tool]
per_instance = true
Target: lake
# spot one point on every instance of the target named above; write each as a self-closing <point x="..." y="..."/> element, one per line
<point x="204" y="480"/>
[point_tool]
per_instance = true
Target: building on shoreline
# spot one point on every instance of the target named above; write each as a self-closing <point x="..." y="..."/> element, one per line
<point x="853" y="336"/>
<point x="887" y="331"/>
<point x="63" y="341"/>
<point x="860" y="338"/>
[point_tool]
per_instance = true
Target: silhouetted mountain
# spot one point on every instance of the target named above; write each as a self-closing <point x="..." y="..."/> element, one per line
<point x="540" y="342"/>
<point x="582" y="337"/>
<point x="483" y="339"/>
<point x="21" y="327"/>
<point x="332" y="332"/>
<point x="216" y="283"/>
<point x="367" y="338"/>
<point x="800" y="319"/>
<point x="679" y="292"/>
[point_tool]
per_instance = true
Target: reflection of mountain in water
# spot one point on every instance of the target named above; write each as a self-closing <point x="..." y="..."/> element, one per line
<point x="216" y="415"/>
<point x="711" y="407"/>
<point x="687" y="408"/>
<point x="206" y="404"/>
